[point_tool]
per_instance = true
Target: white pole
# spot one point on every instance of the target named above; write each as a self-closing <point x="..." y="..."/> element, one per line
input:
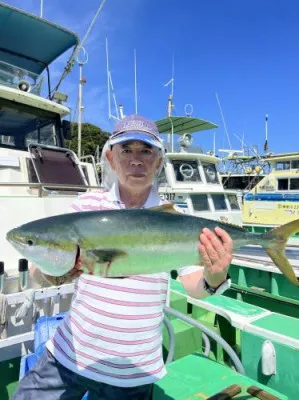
<point x="135" y="77"/>
<point x="80" y="111"/>
<point x="41" y="8"/>
<point x="108" y="81"/>
<point x="222" y="116"/>
<point x="214" y="146"/>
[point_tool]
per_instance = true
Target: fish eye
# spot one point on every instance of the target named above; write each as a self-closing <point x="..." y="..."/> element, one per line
<point x="30" y="242"/>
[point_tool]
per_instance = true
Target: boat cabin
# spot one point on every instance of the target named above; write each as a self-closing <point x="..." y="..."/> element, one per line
<point x="190" y="177"/>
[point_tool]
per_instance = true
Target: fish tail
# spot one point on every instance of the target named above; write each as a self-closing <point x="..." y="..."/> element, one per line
<point x="275" y="243"/>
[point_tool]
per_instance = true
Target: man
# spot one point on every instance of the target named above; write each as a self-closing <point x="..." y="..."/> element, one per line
<point x="110" y="342"/>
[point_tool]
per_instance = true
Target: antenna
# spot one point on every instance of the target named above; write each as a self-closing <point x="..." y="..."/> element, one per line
<point x="170" y="98"/>
<point x="41" y="8"/>
<point x="110" y="85"/>
<point x="223" y="121"/>
<point x="75" y="52"/>
<point x="108" y="80"/>
<point x="81" y="62"/>
<point x="214" y="144"/>
<point x="135" y="76"/>
<point x="266" y="129"/>
<point x="92" y="23"/>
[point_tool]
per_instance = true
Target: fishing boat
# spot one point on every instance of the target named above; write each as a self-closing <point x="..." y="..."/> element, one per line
<point x="241" y="171"/>
<point x="274" y="200"/>
<point x="190" y="177"/>
<point x="41" y="177"/>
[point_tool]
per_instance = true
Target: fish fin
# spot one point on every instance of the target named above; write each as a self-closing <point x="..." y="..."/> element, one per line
<point x="168" y="208"/>
<point x="105" y="255"/>
<point x="278" y="238"/>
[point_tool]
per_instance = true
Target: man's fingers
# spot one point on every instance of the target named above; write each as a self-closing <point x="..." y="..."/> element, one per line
<point x="212" y="243"/>
<point x="226" y="239"/>
<point x="204" y="255"/>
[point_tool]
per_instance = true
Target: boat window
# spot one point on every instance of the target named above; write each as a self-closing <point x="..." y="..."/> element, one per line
<point x="283" y="184"/>
<point x="233" y="201"/>
<point x="294" y="183"/>
<point x="186" y="170"/>
<point x="219" y="202"/>
<point x="161" y="179"/>
<point x="295" y="164"/>
<point x="210" y="173"/>
<point x="282" y="165"/>
<point x="22" y="125"/>
<point x="200" y="202"/>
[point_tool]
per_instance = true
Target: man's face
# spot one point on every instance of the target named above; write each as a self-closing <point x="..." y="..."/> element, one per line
<point x="135" y="163"/>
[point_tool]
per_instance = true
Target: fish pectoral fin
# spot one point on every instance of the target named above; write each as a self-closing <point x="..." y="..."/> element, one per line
<point x="102" y="256"/>
<point x="168" y="208"/>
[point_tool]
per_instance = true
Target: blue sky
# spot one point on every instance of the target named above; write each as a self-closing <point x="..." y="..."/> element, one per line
<point x="247" y="51"/>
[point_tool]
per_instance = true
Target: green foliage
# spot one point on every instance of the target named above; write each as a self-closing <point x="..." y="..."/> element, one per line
<point x="91" y="137"/>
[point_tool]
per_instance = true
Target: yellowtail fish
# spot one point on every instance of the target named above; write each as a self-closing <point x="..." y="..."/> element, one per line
<point x="120" y="243"/>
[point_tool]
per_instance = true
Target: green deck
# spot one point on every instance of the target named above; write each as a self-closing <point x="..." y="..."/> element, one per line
<point x="191" y="375"/>
<point x="9" y="372"/>
<point x="195" y="377"/>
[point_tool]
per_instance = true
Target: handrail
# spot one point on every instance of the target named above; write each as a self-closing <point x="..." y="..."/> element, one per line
<point x="93" y="164"/>
<point x="43" y="187"/>
<point x="212" y="334"/>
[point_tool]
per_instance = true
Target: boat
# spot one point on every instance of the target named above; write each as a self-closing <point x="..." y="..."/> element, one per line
<point x="241" y="171"/>
<point x="190" y="178"/>
<point x="39" y="175"/>
<point x="274" y="200"/>
<point x="33" y="186"/>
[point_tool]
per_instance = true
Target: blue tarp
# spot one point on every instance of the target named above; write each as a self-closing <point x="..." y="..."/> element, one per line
<point x="30" y="42"/>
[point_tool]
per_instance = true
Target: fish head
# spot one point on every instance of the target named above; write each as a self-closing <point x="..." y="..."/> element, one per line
<point x="49" y="246"/>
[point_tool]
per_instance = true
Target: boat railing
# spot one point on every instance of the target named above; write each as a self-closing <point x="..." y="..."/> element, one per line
<point x="94" y="165"/>
<point x="43" y="189"/>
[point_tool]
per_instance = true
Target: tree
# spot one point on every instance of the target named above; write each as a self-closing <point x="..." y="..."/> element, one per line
<point x="91" y="137"/>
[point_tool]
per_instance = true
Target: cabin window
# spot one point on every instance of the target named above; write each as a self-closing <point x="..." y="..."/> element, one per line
<point x="283" y="184"/>
<point x="200" y="202"/>
<point x="282" y="165"/>
<point x="21" y="125"/>
<point x="186" y="171"/>
<point x="210" y="173"/>
<point x="219" y="202"/>
<point x="233" y="201"/>
<point x="294" y="183"/>
<point x="295" y="164"/>
<point x="161" y="179"/>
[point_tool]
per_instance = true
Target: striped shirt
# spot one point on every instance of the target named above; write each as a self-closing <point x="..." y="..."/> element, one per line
<point x="113" y="330"/>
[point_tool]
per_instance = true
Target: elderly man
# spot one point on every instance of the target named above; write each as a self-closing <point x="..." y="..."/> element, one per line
<point x="110" y="342"/>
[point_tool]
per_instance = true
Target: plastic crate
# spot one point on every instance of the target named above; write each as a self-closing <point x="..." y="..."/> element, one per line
<point x="45" y="328"/>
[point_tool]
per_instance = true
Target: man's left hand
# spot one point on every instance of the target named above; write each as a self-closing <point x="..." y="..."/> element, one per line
<point x="216" y="253"/>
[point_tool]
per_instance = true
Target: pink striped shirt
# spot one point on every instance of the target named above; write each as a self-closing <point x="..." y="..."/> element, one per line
<point x="113" y="330"/>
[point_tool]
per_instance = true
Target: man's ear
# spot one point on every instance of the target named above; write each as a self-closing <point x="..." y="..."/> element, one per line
<point x="109" y="155"/>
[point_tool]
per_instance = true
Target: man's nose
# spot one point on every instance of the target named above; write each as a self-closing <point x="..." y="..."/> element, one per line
<point x="136" y="160"/>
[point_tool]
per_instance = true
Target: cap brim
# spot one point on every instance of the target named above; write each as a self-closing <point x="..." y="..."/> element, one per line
<point x="132" y="136"/>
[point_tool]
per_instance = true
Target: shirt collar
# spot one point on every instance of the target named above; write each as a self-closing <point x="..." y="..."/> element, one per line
<point x="152" y="200"/>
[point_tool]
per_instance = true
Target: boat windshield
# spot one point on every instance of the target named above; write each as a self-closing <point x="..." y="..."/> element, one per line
<point x="186" y="171"/>
<point x="22" y="125"/>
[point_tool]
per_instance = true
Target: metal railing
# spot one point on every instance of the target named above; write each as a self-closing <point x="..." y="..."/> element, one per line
<point x="43" y="187"/>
